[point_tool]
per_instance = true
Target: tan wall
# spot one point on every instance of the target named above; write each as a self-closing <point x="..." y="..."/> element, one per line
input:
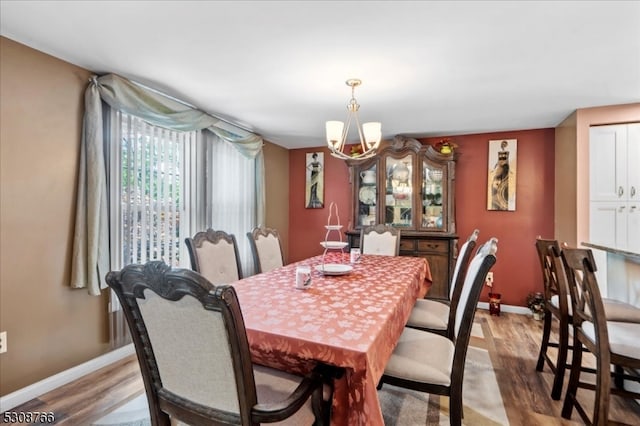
<point x="572" y="167"/>
<point x="49" y="326"/>
<point x="565" y="181"/>
<point x="276" y="160"/>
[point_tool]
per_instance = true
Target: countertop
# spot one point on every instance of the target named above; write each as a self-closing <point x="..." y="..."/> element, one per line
<point x="635" y="257"/>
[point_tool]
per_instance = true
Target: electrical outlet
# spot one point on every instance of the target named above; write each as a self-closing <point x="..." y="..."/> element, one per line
<point x="3" y="342"/>
<point x="489" y="280"/>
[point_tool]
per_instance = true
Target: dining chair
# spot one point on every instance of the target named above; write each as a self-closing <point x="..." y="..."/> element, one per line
<point x="380" y="239"/>
<point x="266" y="249"/>
<point x="612" y="343"/>
<point x="194" y="355"/>
<point x="214" y="254"/>
<point x="432" y="363"/>
<point x="436" y="315"/>
<point x="558" y="307"/>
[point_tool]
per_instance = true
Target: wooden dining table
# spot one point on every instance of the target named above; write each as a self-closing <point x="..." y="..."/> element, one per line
<point x="352" y="321"/>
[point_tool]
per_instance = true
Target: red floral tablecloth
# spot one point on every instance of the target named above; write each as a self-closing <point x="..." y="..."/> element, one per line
<point x="352" y="321"/>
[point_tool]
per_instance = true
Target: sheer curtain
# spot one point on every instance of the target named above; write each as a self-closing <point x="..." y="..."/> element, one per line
<point x="232" y="194"/>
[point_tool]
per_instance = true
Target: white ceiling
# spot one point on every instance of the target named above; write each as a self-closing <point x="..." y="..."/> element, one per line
<point x="428" y="68"/>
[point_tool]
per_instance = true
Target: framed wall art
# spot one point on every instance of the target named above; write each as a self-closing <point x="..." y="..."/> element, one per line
<point x="314" y="188"/>
<point x="501" y="182"/>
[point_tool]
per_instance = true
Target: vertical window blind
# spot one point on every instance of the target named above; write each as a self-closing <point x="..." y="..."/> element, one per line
<point x="152" y="192"/>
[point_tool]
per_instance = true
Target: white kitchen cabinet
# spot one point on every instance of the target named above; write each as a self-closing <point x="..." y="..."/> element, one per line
<point x="608" y="224"/>
<point x="614" y="186"/>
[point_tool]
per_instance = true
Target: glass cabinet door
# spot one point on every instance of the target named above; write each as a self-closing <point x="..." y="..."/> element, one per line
<point x="399" y="192"/>
<point x="367" y="196"/>
<point x="432" y="196"/>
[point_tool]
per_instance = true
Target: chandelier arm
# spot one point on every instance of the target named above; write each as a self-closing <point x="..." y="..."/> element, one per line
<point x="362" y="143"/>
<point x="345" y="132"/>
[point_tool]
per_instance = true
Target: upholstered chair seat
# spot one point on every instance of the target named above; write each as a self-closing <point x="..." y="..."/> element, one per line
<point x="274" y="386"/>
<point x="615" y="310"/>
<point x="436" y="315"/>
<point x="409" y="362"/>
<point x="429" y="314"/>
<point x="624" y="337"/>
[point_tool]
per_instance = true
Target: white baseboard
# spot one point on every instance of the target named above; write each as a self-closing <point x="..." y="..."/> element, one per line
<point x="30" y="392"/>
<point x="507" y="308"/>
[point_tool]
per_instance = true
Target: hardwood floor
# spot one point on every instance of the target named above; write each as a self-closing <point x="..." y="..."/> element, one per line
<point x="88" y="399"/>
<point x="516" y="339"/>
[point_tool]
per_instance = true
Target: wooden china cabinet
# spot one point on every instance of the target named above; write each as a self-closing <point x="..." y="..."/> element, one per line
<point x="409" y="186"/>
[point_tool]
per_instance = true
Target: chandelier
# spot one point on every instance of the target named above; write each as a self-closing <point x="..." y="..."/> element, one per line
<point x="337" y="133"/>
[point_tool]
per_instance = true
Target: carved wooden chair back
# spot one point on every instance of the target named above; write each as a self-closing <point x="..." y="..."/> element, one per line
<point x="380" y="239"/>
<point x="214" y="254"/>
<point x="266" y="249"/>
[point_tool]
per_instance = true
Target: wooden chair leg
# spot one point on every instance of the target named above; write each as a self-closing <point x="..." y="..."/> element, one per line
<point x="561" y="361"/>
<point x="574" y="378"/>
<point x="603" y="389"/>
<point x="618" y="380"/>
<point x="455" y="407"/>
<point x="546" y="331"/>
<point x="319" y="408"/>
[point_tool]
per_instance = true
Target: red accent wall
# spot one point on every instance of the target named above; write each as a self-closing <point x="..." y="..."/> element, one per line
<point x="306" y="226"/>
<point x="517" y="270"/>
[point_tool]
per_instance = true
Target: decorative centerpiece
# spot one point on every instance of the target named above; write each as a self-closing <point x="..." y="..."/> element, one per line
<point x="446" y="146"/>
<point x="329" y="244"/>
<point x="535" y="302"/>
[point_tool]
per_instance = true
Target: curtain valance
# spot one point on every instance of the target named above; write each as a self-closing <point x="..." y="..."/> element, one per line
<point x="163" y="111"/>
<point x="90" y="259"/>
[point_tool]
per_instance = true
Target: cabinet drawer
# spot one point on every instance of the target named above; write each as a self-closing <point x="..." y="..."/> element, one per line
<point x="407" y="245"/>
<point x="439" y="246"/>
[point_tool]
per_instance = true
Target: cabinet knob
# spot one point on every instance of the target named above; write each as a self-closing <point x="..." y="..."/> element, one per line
<point x="633" y="191"/>
<point x="622" y="208"/>
<point x="633" y="208"/>
<point x="620" y="191"/>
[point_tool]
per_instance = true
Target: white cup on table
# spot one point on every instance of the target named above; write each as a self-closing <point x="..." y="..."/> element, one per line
<point x="303" y="277"/>
<point x="354" y="255"/>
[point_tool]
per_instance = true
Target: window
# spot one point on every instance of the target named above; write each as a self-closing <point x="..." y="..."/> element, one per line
<point x="167" y="185"/>
<point x="150" y="192"/>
